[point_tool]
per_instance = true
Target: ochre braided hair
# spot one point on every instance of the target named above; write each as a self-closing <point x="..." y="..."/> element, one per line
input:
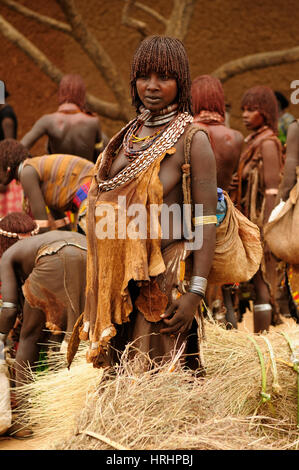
<point x="72" y="90"/>
<point x="167" y="56"/>
<point x="261" y="98"/>
<point x="12" y="153"/>
<point x="207" y="94"/>
<point x="17" y="222"/>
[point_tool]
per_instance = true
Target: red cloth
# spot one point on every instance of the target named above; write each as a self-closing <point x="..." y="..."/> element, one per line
<point x="12" y="199"/>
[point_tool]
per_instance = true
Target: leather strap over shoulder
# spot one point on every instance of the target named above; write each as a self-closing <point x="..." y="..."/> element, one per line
<point x="186" y="167"/>
<point x="192" y="129"/>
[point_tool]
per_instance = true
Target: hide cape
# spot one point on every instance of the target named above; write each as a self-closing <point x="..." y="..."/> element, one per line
<point x="112" y="263"/>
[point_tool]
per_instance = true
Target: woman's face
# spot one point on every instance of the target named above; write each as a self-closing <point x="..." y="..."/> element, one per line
<point x="252" y="118"/>
<point x="156" y="91"/>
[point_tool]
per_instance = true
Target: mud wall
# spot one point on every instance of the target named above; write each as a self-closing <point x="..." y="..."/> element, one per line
<point x="220" y="31"/>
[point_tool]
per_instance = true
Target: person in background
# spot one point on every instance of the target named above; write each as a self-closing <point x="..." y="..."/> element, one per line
<point x="72" y="129"/>
<point x="284" y="117"/>
<point x="210" y="113"/>
<point x="228" y="109"/>
<point x="11" y="195"/>
<point x="256" y="187"/>
<point x="289" y="179"/>
<point x="8" y="120"/>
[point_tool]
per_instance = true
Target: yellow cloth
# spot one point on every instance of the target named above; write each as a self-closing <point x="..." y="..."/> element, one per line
<point x="61" y="176"/>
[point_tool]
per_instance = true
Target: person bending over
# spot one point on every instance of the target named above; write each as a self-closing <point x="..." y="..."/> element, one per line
<point x="52" y="184"/>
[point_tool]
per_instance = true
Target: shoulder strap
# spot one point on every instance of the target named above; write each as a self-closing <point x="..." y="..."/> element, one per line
<point x="186" y="167"/>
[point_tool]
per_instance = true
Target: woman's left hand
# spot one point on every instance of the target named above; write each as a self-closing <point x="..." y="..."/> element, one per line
<point x="180" y="314"/>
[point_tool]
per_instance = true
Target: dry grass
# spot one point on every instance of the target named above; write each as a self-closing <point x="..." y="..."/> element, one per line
<point x="125" y="408"/>
<point x="233" y="358"/>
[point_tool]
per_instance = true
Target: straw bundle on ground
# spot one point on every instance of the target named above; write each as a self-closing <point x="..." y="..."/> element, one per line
<point x="159" y="409"/>
<point x="233" y="357"/>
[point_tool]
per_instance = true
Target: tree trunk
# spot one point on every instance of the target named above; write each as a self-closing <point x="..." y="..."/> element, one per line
<point x="176" y="26"/>
<point x="178" y="22"/>
<point x="109" y="110"/>
<point x="256" y="61"/>
<point x="98" y="55"/>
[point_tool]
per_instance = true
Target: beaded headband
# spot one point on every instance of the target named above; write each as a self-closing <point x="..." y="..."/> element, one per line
<point x="4" y="233"/>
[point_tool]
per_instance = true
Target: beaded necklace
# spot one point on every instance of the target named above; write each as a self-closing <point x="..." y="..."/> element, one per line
<point x="164" y="141"/>
<point x="163" y="117"/>
<point x="209" y="117"/>
<point x="33" y="232"/>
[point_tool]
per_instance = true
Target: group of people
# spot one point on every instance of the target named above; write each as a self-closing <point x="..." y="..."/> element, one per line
<point x="117" y="273"/>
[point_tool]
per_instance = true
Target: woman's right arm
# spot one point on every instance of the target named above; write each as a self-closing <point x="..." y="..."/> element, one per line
<point x="292" y="161"/>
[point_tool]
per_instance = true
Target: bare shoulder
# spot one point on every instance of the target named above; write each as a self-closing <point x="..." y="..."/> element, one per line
<point x="238" y="136"/>
<point x="293" y="131"/>
<point x="269" y="145"/>
<point x="201" y="137"/>
<point x="28" y="170"/>
<point x="15" y="253"/>
<point x="270" y="153"/>
<point x="201" y="146"/>
<point x="92" y="118"/>
<point x="203" y="160"/>
<point x="45" y="119"/>
<point x="29" y="175"/>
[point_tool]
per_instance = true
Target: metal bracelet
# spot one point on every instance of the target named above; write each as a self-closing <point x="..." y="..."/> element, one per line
<point x="198" y="281"/>
<point x="197" y="292"/>
<point x="8" y="305"/>
<point x="198" y="285"/>
<point x="262" y="307"/>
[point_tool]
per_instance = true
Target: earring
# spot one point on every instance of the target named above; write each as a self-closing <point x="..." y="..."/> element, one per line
<point x="8" y="169"/>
